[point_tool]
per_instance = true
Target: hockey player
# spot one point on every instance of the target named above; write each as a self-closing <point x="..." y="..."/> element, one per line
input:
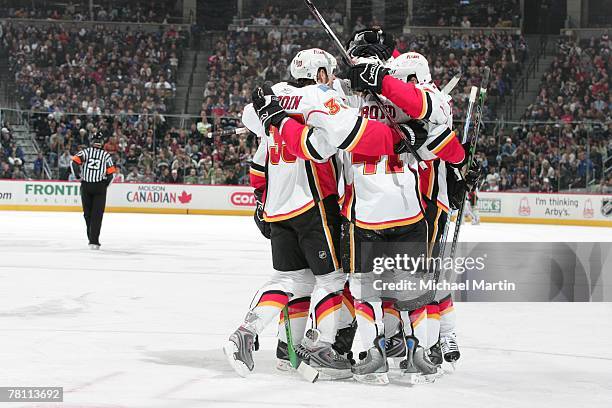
<point x="470" y="207"/>
<point x="382" y="206"/>
<point x="298" y="201"/>
<point x="444" y="155"/>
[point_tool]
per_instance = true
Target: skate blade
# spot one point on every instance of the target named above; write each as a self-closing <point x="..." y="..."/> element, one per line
<point x="372" y="378"/>
<point x="284" y="365"/>
<point x="229" y="349"/>
<point x="417" y="378"/>
<point x="330" y="374"/>
<point x="449" y="367"/>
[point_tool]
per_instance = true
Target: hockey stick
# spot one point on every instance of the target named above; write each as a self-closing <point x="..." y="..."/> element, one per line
<point x="347" y="60"/>
<point x="448" y="88"/>
<point x="482" y="94"/>
<point x="429" y="296"/>
<point x="227" y="132"/>
<point x="306" y="371"/>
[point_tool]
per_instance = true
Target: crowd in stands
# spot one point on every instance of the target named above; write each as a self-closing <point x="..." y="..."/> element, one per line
<point x="466" y="14"/>
<point x="564" y="154"/>
<point x="241" y="59"/>
<point x="11" y="156"/>
<point x="153" y="11"/>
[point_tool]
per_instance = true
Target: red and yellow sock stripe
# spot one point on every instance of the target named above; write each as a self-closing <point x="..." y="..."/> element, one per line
<point x="365" y="310"/>
<point x="328" y="305"/>
<point x="389" y="308"/>
<point x="433" y="311"/>
<point x="446" y="305"/>
<point x="417" y="316"/>
<point x="297" y="308"/>
<point x="273" y="298"/>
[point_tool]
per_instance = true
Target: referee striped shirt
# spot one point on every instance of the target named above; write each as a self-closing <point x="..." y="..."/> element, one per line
<point x="97" y="163"/>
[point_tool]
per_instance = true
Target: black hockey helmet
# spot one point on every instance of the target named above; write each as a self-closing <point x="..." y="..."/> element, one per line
<point x="97" y="139"/>
<point x="371" y="42"/>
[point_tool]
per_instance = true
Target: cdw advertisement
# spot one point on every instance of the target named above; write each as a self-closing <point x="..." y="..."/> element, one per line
<point x="126" y="197"/>
<point x="567" y="209"/>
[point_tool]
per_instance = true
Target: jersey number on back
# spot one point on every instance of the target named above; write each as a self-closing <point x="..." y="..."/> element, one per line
<point x="370" y="163"/>
<point x="278" y="151"/>
<point x="94" y="164"/>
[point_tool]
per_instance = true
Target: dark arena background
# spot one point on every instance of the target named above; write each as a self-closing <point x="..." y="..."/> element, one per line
<point x="142" y="322"/>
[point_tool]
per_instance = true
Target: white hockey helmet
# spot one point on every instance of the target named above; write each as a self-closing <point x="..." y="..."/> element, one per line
<point x="410" y="63"/>
<point x="306" y="63"/>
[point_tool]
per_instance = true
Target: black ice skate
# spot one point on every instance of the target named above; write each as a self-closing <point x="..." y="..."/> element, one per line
<point x="282" y="357"/>
<point x="372" y="366"/>
<point x="321" y="356"/>
<point x="417" y="368"/>
<point x="239" y="351"/>
<point x="395" y="346"/>
<point x="344" y="340"/>
<point x="450" y="349"/>
<point x="435" y="354"/>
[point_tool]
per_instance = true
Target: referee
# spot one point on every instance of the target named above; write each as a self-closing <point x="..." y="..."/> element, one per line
<point x="96" y="175"/>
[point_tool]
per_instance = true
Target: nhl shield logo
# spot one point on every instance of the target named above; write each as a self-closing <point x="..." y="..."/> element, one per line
<point x="606" y="207"/>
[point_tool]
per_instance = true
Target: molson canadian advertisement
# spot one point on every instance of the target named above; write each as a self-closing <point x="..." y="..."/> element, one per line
<point x="539" y="208"/>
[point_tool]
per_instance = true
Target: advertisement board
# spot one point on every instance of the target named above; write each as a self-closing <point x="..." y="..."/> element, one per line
<point x="539" y="208"/>
<point x="130" y="197"/>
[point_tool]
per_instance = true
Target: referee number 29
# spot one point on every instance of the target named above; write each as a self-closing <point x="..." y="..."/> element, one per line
<point x="94" y="164"/>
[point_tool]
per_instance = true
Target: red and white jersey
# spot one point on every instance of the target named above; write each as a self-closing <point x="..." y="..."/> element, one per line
<point x="292" y="183"/>
<point x="440" y="142"/>
<point x="442" y="145"/>
<point x="381" y="190"/>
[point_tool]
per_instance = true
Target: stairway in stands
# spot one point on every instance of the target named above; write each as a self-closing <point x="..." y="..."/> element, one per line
<point x="534" y="80"/>
<point x="191" y="80"/>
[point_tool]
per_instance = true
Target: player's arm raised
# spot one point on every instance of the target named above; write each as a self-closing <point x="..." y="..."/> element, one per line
<point x="374" y="77"/>
<point x="334" y="127"/>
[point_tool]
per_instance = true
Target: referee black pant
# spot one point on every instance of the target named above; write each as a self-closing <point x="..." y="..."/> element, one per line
<point x="93" y="196"/>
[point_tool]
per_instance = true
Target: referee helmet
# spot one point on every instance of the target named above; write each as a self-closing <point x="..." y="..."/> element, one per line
<point x="96" y="140"/>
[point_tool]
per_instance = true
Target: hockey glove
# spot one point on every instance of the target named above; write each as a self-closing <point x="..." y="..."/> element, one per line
<point x="456" y="187"/>
<point x="262" y="224"/>
<point x="416" y="136"/>
<point x="267" y="107"/>
<point x="382" y="42"/>
<point x="473" y="176"/>
<point x="367" y="77"/>
<point x="109" y="178"/>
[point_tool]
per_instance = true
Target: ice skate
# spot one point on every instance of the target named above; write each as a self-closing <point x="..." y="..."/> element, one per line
<point x="344" y="340"/>
<point x="417" y="368"/>
<point x="94" y="247"/>
<point x="282" y="357"/>
<point x="321" y="356"/>
<point x="239" y="351"/>
<point x="435" y="354"/>
<point x="395" y="346"/>
<point x="372" y="366"/>
<point x="450" y="349"/>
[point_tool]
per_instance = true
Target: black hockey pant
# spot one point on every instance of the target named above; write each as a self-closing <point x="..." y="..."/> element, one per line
<point x="93" y="197"/>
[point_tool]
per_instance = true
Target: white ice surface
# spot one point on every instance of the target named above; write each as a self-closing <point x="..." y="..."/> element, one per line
<point x="141" y="323"/>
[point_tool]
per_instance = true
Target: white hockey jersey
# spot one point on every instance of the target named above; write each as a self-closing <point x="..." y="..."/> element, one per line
<point x="294" y="185"/>
<point x="433" y="183"/>
<point x="381" y="191"/>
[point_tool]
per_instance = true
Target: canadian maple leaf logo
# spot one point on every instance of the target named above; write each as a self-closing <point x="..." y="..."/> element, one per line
<point x="184" y="198"/>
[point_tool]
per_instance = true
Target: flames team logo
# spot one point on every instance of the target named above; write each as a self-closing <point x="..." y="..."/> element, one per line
<point x="606" y="207"/>
<point x="524" y="208"/>
<point x="588" y="209"/>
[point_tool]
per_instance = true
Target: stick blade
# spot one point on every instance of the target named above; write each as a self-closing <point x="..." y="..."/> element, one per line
<point x="307" y="372"/>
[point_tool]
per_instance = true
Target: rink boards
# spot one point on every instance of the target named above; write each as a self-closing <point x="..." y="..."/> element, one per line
<point x="534" y="208"/>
